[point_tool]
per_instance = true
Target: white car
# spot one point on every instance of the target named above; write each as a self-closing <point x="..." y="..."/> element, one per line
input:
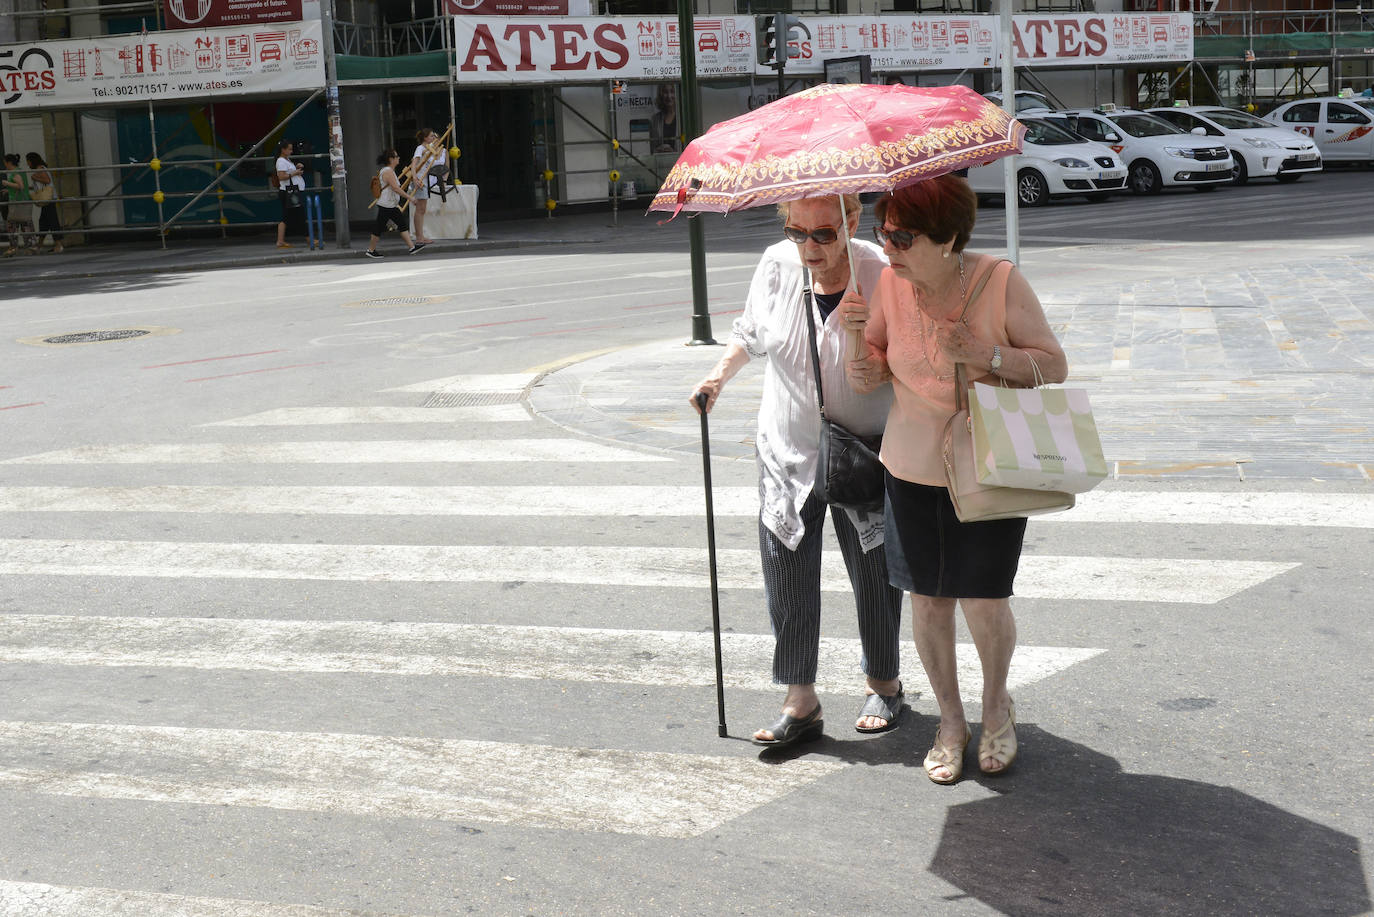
<point x="1026" y="101"/>
<point x="1054" y="162"/>
<point x="1258" y="148"/>
<point x="1342" y="127"/>
<point x="1156" y="153"/>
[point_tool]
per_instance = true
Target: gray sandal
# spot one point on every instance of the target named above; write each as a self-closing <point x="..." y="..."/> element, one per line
<point x="886" y="706"/>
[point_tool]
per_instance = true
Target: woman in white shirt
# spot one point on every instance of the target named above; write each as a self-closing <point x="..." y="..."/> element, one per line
<point x="792" y="517"/>
<point x="289" y="180"/>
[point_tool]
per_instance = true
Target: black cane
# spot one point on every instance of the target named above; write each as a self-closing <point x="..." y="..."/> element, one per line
<point x="711" y="552"/>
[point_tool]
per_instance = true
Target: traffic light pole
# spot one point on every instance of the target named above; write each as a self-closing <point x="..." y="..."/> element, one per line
<point x="689" y="109"/>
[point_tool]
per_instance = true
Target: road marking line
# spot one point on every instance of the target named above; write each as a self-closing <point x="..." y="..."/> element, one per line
<point x="66" y="901"/>
<point x="254" y="372"/>
<point x="1347" y="510"/>
<point x="653" y="794"/>
<point x="290" y="417"/>
<point x="234" y="356"/>
<point x="639" y="657"/>
<point x="1119" y="579"/>
<point x="1337" y="510"/>
<point x="492" y="383"/>
<point x="363" y="453"/>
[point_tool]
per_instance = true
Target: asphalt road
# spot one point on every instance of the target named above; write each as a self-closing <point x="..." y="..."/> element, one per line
<point x="379" y="589"/>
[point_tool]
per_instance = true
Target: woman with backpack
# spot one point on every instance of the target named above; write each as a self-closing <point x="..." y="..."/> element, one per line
<point x="389" y="216"/>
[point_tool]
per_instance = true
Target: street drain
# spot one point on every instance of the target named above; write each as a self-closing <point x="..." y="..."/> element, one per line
<point x="105" y="335"/>
<point x="469" y="399"/>
<point x="90" y="337"/>
<point x="390" y="302"/>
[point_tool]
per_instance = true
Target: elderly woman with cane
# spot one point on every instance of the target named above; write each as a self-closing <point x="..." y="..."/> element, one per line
<point x="936" y="306"/>
<point x="815" y="257"/>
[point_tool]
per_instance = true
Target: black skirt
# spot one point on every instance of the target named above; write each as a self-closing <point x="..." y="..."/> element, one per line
<point x="930" y="552"/>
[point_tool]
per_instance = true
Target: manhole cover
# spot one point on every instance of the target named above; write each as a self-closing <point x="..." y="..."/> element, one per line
<point x="90" y="337"/>
<point x="469" y="399"/>
<point x="391" y="302"/>
<point x="81" y="338"/>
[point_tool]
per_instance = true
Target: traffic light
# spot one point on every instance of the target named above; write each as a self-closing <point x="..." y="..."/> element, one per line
<point x="774" y="35"/>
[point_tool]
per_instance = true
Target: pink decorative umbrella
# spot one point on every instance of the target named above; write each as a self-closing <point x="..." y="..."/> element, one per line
<point x="837" y="139"/>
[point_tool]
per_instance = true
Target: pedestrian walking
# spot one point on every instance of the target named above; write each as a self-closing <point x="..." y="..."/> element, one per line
<point x="921" y="323"/>
<point x="43" y="193"/>
<point x="19" y="219"/>
<point x="389" y="216"/>
<point x="290" y="193"/>
<point x="791" y="516"/>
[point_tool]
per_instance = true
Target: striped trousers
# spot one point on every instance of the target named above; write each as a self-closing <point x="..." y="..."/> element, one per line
<point x="792" y="587"/>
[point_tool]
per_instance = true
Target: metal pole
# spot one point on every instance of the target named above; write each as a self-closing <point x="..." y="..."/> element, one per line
<point x="338" y="172"/>
<point x="689" y="109"/>
<point x="219" y="193"/>
<point x="157" y="179"/>
<point x="1009" y="105"/>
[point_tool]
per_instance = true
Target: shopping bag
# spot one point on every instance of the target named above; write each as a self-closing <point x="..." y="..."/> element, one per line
<point x="1036" y="438"/>
<point x="975" y="502"/>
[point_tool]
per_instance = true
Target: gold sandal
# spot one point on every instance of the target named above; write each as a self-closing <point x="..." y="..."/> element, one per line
<point x="1000" y="746"/>
<point x="950" y="757"/>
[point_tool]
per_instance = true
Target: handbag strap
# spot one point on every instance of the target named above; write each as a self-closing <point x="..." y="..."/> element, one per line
<point x="960" y="373"/>
<point x="811" y="333"/>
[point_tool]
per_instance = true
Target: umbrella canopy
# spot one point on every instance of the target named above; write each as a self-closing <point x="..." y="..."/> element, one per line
<point x="837" y="139"/>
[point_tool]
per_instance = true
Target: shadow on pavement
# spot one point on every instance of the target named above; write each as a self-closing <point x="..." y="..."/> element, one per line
<point x="1069" y="832"/>
<point x="1073" y="833"/>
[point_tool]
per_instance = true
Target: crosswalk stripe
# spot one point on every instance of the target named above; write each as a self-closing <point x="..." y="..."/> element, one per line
<point x="490" y="383"/>
<point x="294" y="417"/>
<point x="1349" y="510"/>
<point x="1339" y="510"/>
<point x="640" y="657"/>
<point x="363" y="453"/>
<point x="64" y="901"/>
<point x="1125" y="579"/>
<point x="654" y="794"/>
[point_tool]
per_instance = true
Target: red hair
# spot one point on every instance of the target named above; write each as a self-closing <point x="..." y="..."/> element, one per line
<point x="941" y="209"/>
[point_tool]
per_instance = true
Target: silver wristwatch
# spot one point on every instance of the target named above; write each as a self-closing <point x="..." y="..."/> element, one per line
<point x="996" y="363"/>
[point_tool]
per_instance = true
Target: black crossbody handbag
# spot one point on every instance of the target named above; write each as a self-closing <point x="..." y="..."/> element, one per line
<point x="848" y="472"/>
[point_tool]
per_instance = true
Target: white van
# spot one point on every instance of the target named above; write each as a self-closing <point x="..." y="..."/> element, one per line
<point x="1342" y="127"/>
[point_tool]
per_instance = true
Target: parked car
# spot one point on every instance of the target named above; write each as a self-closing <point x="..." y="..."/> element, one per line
<point x="1156" y="153"/>
<point x="1259" y="149"/>
<point x="1026" y="101"/>
<point x="1342" y="127"/>
<point x="1055" y="162"/>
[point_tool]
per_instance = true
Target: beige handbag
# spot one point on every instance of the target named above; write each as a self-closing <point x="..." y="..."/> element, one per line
<point x="974" y="502"/>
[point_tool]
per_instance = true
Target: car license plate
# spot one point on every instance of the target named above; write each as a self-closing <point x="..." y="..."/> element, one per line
<point x="1218" y="167"/>
<point x="1112" y="173"/>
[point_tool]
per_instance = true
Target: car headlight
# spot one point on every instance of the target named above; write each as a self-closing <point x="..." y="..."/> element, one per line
<point x="1069" y="162"/>
<point x="1181" y="152"/>
<point x="1262" y="144"/>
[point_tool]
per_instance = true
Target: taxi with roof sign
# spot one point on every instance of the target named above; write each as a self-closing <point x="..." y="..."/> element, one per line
<point x="1157" y="154"/>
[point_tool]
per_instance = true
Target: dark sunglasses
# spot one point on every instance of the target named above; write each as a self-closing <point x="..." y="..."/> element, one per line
<point x="822" y="235"/>
<point x="899" y="239"/>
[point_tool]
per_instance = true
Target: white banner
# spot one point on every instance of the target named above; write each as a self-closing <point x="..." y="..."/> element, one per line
<point x="537" y="49"/>
<point x="185" y="64"/>
<point x="1084" y="39"/>
<point x="560" y="49"/>
<point x="894" y="43"/>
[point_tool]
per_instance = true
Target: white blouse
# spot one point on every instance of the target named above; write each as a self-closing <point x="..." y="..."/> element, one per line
<point x="789" y="423"/>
